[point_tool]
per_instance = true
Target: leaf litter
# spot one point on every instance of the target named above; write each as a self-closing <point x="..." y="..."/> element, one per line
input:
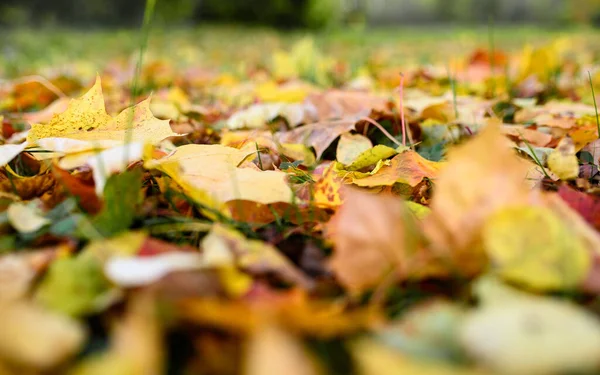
<point x="305" y="216"/>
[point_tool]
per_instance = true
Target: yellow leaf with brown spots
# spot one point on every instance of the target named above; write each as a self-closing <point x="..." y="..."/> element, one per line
<point x="86" y="120"/>
<point x="328" y="189"/>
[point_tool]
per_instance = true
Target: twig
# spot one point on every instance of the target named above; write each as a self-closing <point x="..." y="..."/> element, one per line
<point x="378" y="126"/>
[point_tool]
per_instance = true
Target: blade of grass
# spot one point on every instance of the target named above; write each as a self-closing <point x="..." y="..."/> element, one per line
<point x="145" y="32"/>
<point x="385" y="132"/>
<point x="260" y="164"/>
<point x="453" y="88"/>
<point x="401" y="95"/>
<point x="492" y="48"/>
<point x="595" y="105"/>
<point x="534" y="156"/>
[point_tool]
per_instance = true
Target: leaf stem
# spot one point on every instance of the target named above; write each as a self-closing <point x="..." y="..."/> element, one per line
<point x="378" y="126"/>
<point x="401" y="94"/>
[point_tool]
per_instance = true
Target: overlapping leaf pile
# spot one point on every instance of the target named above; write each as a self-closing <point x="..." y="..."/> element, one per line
<point x="297" y="222"/>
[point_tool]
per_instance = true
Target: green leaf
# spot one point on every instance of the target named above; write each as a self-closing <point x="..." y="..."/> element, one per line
<point x="7" y="243"/>
<point x="122" y="195"/>
<point x="370" y="157"/>
<point x="75" y="286"/>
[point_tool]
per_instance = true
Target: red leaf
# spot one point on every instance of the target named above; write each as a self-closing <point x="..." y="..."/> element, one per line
<point x="152" y="246"/>
<point x="85" y="192"/>
<point x="588" y="206"/>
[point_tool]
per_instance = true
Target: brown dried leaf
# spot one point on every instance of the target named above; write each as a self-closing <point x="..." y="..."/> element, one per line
<point x="318" y="135"/>
<point x="28" y="187"/>
<point x="374" y="236"/>
<point x="481" y="177"/>
<point x="337" y="104"/>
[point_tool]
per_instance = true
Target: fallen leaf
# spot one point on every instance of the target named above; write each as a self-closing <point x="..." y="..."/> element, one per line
<point x="339" y="104"/>
<point x="297" y="152"/>
<point x="111" y="161"/>
<point x="442" y="112"/>
<point x="351" y="146"/>
<point x="126" y="244"/>
<point x="273" y="351"/>
<point x="318" y="135"/>
<point x="86" y="120"/>
<point x="259" y="213"/>
<point x="584" y="134"/>
<point x="26" y="217"/>
<point x="58" y="106"/>
<point x="122" y="195"/>
<point x="291" y="310"/>
<point x="327" y="190"/>
<point x="258" y="116"/>
<point x="289" y="92"/>
<point x="374" y="358"/>
<point x="136" y="344"/>
<point x="36" y="339"/>
<point x="534" y="336"/>
<point x="28" y="188"/>
<point x="578" y="226"/>
<point x="19" y="271"/>
<point x="210" y="175"/>
<point x="407" y="167"/>
<point x="75" y="286"/>
<point x="534" y="137"/>
<point x="226" y="247"/>
<point x="532" y="246"/>
<point x="587" y="205"/>
<point x="541" y="61"/>
<point x="428" y="330"/>
<point x="374" y="237"/>
<point x="135" y="271"/>
<point x="84" y="192"/>
<point x="562" y="161"/>
<point x="9" y="152"/>
<point x="370" y="157"/>
<point x="469" y="189"/>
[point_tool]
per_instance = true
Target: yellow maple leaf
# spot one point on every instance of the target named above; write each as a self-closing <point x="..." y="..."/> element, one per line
<point x="86" y="120"/>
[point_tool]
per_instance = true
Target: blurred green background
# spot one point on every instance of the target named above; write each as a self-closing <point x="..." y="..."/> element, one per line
<point x="297" y="13"/>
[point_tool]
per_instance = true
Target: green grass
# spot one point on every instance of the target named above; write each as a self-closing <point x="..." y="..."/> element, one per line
<point x="84" y="52"/>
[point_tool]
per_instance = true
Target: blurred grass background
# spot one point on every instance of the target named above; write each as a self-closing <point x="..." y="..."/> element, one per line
<point x="76" y="37"/>
<point x="297" y="13"/>
<point x="227" y="47"/>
